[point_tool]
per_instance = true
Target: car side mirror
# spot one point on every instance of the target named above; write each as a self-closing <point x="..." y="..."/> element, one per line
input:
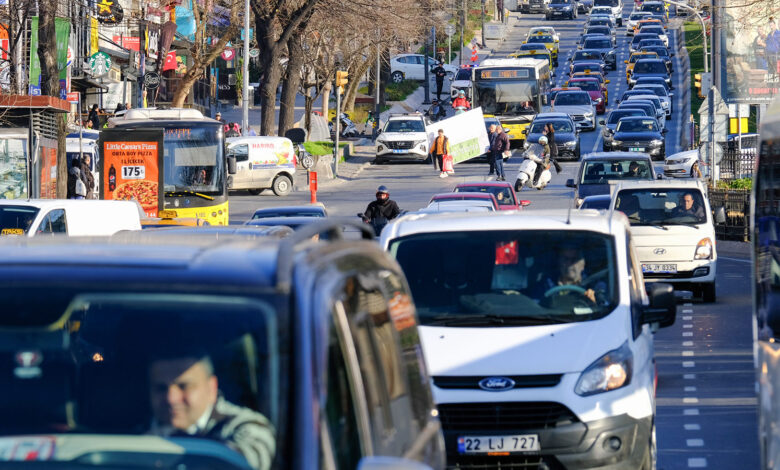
<point x="231" y="164"/>
<point x="570" y="183"/>
<point x="625" y="61"/>
<point x="524" y="131"/>
<point x="390" y="463"/>
<point x="664" y="131"/>
<point x="662" y="308"/>
<point x="601" y="121"/>
<point x="659" y="177"/>
<point x="525" y="202"/>
<point x="379" y="131"/>
<point x="720" y="216"/>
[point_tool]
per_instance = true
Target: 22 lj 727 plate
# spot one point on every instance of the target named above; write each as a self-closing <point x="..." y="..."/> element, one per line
<point x="490" y="444"/>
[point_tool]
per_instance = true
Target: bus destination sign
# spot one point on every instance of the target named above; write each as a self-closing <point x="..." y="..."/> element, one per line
<point x="499" y="74"/>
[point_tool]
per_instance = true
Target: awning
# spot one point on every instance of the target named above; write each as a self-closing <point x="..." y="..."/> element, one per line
<point x="87" y="82"/>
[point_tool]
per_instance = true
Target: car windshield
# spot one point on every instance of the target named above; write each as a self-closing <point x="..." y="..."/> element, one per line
<point x="618" y="114"/>
<point x="598" y="44"/>
<point x="595" y="203"/>
<point x="540" y="38"/>
<point x="602" y="171"/>
<point x="641" y="37"/>
<point x="572" y="99"/>
<point x="405" y="125"/>
<point x="600" y="22"/>
<point x="587" y="55"/>
<point x="639" y="15"/>
<point x="660" y="51"/>
<point x="507" y="98"/>
<point x="503" y="194"/>
<point x="559" y="126"/>
<point x="637" y="125"/>
<point x="653" y="7"/>
<point x="636" y="57"/>
<point x="598" y="30"/>
<point x="605" y="3"/>
<point x="654" y="206"/>
<point x="652" y="30"/>
<point x="16" y="220"/>
<point x="585" y="67"/>
<point x="601" y="11"/>
<point x="287" y="213"/>
<point x="463" y="74"/>
<point x="650" y="67"/>
<point x="509" y="278"/>
<point x="587" y="85"/>
<point x="657" y="90"/>
<point x="99" y="361"/>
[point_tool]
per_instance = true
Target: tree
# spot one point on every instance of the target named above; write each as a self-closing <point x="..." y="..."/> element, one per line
<point x="14" y="17"/>
<point x="209" y="20"/>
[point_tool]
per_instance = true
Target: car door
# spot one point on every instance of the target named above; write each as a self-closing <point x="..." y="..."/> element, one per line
<point x="416" y="67"/>
<point x="53" y="223"/>
<point x="243" y="177"/>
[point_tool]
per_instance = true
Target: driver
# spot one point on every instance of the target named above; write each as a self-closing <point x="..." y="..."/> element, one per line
<point x="688" y="208"/>
<point x="571" y="265"/>
<point x="633" y="170"/>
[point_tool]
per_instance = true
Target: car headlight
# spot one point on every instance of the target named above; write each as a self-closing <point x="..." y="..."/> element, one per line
<point x="588" y="115"/>
<point x="609" y="372"/>
<point x="617" y="142"/>
<point x="703" y="249"/>
<point x="418" y="142"/>
<point x="598" y="101"/>
<point x="656" y="142"/>
<point x="664" y="104"/>
<point x="570" y="145"/>
<point x="567" y="8"/>
<point x="381" y="142"/>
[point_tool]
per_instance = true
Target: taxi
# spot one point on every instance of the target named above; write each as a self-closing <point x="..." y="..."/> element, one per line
<point x="602" y="81"/>
<point x="593" y="87"/>
<point x="545" y="30"/>
<point x="542" y="53"/>
<point x="548" y="40"/>
<point x="169" y="218"/>
<point x="632" y="60"/>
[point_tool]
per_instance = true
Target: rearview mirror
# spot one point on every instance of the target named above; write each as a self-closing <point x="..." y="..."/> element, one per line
<point x="720" y="216"/>
<point x="662" y="308"/>
<point x="570" y="183"/>
<point x="524" y="203"/>
<point x="231" y="164"/>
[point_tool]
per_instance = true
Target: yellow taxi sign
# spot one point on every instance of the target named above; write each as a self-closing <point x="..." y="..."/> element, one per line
<point x="167" y="214"/>
<point x="12" y="231"/>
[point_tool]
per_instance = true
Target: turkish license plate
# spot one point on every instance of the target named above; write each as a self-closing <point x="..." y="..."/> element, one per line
<point x="490" y="444"/>
<point x="659" y="268"/>
<point x="636" y="149"/>
<point x="399" y="151"/>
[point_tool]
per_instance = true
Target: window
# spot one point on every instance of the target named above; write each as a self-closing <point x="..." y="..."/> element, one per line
<point x="635" y="286"/>
<point x="54" y="222"/>
<point x="241" y="152"/>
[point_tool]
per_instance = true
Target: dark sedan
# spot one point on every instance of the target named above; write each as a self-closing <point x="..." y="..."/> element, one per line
<point x="605" y="30"/>
<point x="639" y="134"/>
<point x="566" y="135"/>
<point x="663" y="54"/>
<point x="603" y="44"/>
<point x="633" y="46"/>
<point x="561" y="9"/>
<point x="649" y="68"/>
<point x="610" y="123"/>
<point x="587" y="67"/>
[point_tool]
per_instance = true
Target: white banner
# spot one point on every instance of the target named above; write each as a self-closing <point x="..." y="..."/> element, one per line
<point x="466" y="133"/>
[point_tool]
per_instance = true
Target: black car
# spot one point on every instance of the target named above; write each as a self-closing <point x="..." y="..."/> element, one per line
<point x="610" y="123"/>
<point x="663" y="53"/>
<point x="603" y="44"/>
<point x="650" y="68"/>
<point x="633" y="46"/>
<point x="561" y="9"/>
<point x="600" y="21"/>
<point x="606" y="31"/>
<point x="639" y="134"/>
<point x="598" y="169"/>
<point x="566" y="134"/>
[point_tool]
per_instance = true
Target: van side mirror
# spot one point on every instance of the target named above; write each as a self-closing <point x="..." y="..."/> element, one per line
<point x="570" y="183"/>
<point x="231" y="164"/>
<point x="720" y="216"/>
<point x="663" y="305"/>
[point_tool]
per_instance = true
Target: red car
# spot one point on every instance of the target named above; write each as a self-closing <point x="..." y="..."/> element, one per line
<point x="593" y="87"/>
<point x="501" y="191"/>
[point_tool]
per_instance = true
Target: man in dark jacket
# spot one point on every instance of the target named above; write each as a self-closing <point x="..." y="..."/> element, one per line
<point x="86" y="175"/>
<point x="382" y="210"/>
<point x="439" y="73"/>
<point x="93" y="117"/>
<point x="497" y="149"/>
<point x="491" y="138"/>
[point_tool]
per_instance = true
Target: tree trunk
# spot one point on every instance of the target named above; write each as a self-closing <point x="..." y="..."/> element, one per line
<point x="326" y="99"/>
<point x="384" y="76"/>
<point x="290" y="86"/>
<point x="308" y="105"/>
<point x="354" y="84"/>
<point x="185" y="85"/>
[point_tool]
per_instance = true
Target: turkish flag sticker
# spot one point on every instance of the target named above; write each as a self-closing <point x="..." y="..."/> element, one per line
<point x="506" y="253"/>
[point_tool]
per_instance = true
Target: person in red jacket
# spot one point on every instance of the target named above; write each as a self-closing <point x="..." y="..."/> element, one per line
<point x="461" y="101"/>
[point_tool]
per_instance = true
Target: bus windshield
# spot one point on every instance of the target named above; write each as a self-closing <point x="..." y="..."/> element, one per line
<point x="507" y="98"/>
<point x="193" y="159"/>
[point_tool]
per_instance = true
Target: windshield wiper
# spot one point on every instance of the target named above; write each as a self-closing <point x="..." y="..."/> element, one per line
<point x="689" y="224"/>
<point x="473" y="319"/>
<point x="181" y="192"/>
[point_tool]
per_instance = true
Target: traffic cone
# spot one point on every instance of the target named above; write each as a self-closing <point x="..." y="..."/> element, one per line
<point x="474" y="56"/>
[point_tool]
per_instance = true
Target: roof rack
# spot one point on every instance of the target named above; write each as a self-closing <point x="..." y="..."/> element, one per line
<point x="333" y="227"/>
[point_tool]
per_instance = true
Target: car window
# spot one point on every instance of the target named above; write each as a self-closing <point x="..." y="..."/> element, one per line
<point x="463" y="74"/>
<point x="241" y="152"/>
<point x="53" y="222"/>
<point x="602" y="171"/>
<point x="637" y="125"/>
<point x="572" y="99"/>
<point x="405" y="125"/>
<point x="585" y="67"/>
<point x="595" y="203"/>
<point x="662" y="206"/>
<point x="540" y="38"/>
<point x="503" y="194"/>
<point x="587" y="85"/>
<point x="16" y="220"/>
<point x="403" y="60"/>
<point x="658" y="90"/>
<point x="650" y="67"/>
<point x="618" y="114"/>
<point x="559" y="126"/>
<point x="598" y="44"/>
<point x="509" y="277"/>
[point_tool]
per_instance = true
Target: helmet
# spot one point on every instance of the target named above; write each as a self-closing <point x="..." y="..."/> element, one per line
<point x="542" y="140"/>
<point x="383" y="189"/>
<point x="461" y="93"/>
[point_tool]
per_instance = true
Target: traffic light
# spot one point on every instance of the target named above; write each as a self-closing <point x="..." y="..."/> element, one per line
<point x="697" y="84"/>
<point x="342" y="77"/>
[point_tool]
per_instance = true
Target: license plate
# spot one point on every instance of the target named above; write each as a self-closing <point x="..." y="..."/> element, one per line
<point x="490" y="444"/>
<point x="636" y="149"/>
<point x="659" y="268"/>
<point x="399" y="151"/>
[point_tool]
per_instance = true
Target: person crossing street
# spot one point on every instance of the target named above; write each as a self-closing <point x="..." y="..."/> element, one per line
<point x="439" y="73"/>
<point x="499" y="146"/>
<point x="440" y="148"/>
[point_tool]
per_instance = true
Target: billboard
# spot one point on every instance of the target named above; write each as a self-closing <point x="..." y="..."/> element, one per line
<point x="751" y="40"/>
<point x="466" y="133"/>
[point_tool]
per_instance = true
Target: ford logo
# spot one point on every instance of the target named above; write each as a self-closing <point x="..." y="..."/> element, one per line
<point x="659" y="251"/>
<point x="496" y="384"/>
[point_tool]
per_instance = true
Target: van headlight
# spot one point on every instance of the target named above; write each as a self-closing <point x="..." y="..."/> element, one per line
<point x="610" y="372"/>
<point x="703" y="249"/>
<point x="570" y="144"/>
<point x="656" y="143"/>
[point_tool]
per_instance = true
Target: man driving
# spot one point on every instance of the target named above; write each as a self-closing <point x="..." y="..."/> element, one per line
<point x="633" y="170"/>
<point x="688" y="208"/>
<point x="185" y="398"/>
<point x="570" y="266"/>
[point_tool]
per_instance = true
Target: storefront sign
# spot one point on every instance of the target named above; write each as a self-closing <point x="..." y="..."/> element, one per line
<point x="151" y="80"/>
<point x="73" y="97"/>
<point x="131" y="172"/>
<point x="228" y="54"/>
<point x="128" y="42"/>
<point x="109" y="12"/>
<point x="35" y="62"/>
<point x="100" y="64"/>
<point x="153" y="41"/>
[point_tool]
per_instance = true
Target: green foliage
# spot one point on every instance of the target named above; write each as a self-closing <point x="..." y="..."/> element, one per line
<point x="742" y="183"/>
<point x="399" y="91"/>
<point x="321" y="147"/>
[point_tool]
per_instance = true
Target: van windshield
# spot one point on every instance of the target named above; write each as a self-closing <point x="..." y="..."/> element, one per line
<point x="602" y="171"/>
<point x="16" y="220"/>
<point x="654" y="206"/>
<point x="405" y="125"/>
<point x="509" y="277"/>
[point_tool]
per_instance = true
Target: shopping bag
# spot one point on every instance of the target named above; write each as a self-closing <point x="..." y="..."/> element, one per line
<point x="446" y="163"/>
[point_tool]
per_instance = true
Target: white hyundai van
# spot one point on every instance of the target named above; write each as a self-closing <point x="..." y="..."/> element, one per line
<point x="35" y="217"/>
<point x="538" y="335"/>
<point x="673" y="230"/>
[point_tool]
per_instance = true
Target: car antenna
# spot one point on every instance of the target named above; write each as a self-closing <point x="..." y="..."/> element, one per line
<point x="568" y="212"/>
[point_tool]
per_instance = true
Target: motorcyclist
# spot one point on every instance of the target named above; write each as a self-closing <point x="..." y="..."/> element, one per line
<point x="461" y="101"/>
<point x="436" y="111"/>
<point x="545" y="157"/>
<point x="380" y="211"/>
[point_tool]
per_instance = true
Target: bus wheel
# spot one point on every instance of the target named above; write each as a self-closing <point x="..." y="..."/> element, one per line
<point x="282" y="185"/>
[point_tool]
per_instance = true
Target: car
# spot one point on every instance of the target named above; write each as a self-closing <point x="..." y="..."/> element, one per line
<point x="633" y="46"/>
<point x="604" y="45"/>
<point x="650" y="28"/>
<point x="610" y="123"/>
<point x="594" y="89"/>
<point x="647" y="43"/>
<point x="566" y="134"/>
<point x="71" y="217"/>
<point x="662" y="93"/>
<point x="556" y="90"/>
<point x="599" y="77"/>
<point x="584" y="6"/>
<point x="647" y="107"/>
<point x="680" y="165"/>
<point x="503" y="192"/>
<point x="657" y="8"/>
<point x="660" y="111"/>
<point x="598" y="169"/>
<point x="594" y="20"/>
<point x="649" y="68"/>
<point x="674" y="232"/>
<point x="598" y="202"/>
<point x="561" y="9"/>
<point x="533" y="6"/>
<point x="466" y="196"/>
<point x="471" y="205"/>
<point x="587" y="56"/>
<point x="287" y="341"/>
<point x="602" y="30"/>
<point x="545" y="30"/>
<point x="309" y="210"/>
<point x="500" y="301"/>
<point x="634" y="18"/>
<point x="540" y="53"/>
<point x="631" y="62"/>
<point x="662" y="52"/>
<point x="578" y="105"/>
<point x="617" y="8"/>
<point x="654" y="80"/>
<point x="601" y="10"/>
<point x="649" y="20"/>
<point x="547" y="40"/>
<point x="412" y="67"/>
<point x="639" y="134"/>
<point x="462" y="82"/>
<point x="294" y="222"/>
<point x="583" y="66"/>
<point x="403" y="137"/>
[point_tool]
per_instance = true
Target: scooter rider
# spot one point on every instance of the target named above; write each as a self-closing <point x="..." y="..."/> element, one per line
<point x="545" y="159"/>
<point x="380" y="211"/>
<point x="436" y="111"/>
<point x="461" y="101"/>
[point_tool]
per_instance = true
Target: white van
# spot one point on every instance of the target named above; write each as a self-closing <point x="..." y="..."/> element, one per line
<point x="262" y="162"/>
<point x="538" y="335"/>
<point x="72" y="217"/>
<point x="673" y="229"/>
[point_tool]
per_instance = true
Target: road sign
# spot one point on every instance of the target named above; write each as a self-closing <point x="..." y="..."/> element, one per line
<point x="151" y="80"/>
<point x="100" y="64"/>
<point x="228" y="54"/>
<point x="73" y="97"/>
<point x="254" y="53"/>
<point x="449" y="30"/>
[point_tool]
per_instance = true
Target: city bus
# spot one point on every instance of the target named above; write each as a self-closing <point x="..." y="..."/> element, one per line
<point x="765" y="235"/>
<point x="514" y="90"/>
<point x="190" y="175"/>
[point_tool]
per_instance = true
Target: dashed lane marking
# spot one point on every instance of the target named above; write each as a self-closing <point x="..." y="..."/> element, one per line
<point x="692" y="427"/>
<point x="697" y="462"/>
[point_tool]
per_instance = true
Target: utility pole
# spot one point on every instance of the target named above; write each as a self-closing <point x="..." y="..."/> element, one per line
<point x="245" y="72"/>
<point x="427" y="83"/>
<point x="377" y="90"/>
<point x="483" y="23"/>
<point x="462" y="28"/>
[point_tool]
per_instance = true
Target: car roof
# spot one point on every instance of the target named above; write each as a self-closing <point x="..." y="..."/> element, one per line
<point x="318" y="208"/>
<point x="288" y="221"/>
<point x="615" y="156"/>
<point x="584" y="79"/>
<point x="672" y="183"/>
<point x="553" y="115"/>
<point x="636" y="118"/>
<point x="44" y="204"/>
<point x="497" y="184"/>
<point x="572" y="92"/>
<point x="462" y="195"/>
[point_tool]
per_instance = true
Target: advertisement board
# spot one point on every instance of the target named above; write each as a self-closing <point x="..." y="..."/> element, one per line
<point x="48" y="167"/>
<point x="466" y="133"/>
<point x="752" y="44"/>
<point x="131" y="168"/>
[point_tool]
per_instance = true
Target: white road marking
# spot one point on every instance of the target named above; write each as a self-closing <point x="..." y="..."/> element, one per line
<point x="692" y="427"/>
<point x="690" y="400"/>
<point x="688" y="325"/>
<point x="687" y="318"/>
<point x="687" y="353"/>
<point x="691" y="412"/>
<point x="694" y="442"/>
<point x="689" y="364"/>
<point x="690" y="389"/>
<point x="687" y="343"/>
<point x="697" y="462"/>
<point x="687" y="310"/>
<point x="687" y="333"/>
<point x="689" y="376"/>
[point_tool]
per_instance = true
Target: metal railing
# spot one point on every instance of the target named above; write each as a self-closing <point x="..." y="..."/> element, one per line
<point x="736" y="203"/>
<point x="737" y="163"/>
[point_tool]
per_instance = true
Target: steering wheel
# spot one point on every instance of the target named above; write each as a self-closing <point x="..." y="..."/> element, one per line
<point x="566" y="287"/>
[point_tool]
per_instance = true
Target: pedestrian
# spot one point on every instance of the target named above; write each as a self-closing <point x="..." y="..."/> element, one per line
<point x="93" y="117"/>
<point x="76" y="187"/>
<point x="491" y="138"/>
<point x="231" y="130"/>
<point x="500" y="8"/>
<point x="499" y="147"/>
<point x="439" y="73"/>
<point x="772" y="47"/>
<point x="237" y="128"/>
<point x="86" y="175"/>
<point x="218" y="117"/>
<point x="440" y="148"/>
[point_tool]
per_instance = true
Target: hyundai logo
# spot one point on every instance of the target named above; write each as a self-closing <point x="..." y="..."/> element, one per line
<point x="496" y="384"/>
<point x="659" y="251"/>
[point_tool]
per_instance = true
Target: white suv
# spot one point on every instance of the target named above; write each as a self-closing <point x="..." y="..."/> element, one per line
<point x="538" y="335"/>
<point x="403" y="138"/>
<point x="412" y="67"/>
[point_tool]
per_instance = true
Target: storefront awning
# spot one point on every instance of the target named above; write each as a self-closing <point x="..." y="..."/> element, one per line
<point x="87" y="82"/>
<point x="44" y="103"/>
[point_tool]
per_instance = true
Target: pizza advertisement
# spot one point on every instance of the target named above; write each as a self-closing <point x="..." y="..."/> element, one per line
<point x="131" y="172"/>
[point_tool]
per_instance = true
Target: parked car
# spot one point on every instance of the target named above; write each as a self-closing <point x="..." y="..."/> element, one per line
<point x="597" y="170"/>
<point x="412" y="67"/>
